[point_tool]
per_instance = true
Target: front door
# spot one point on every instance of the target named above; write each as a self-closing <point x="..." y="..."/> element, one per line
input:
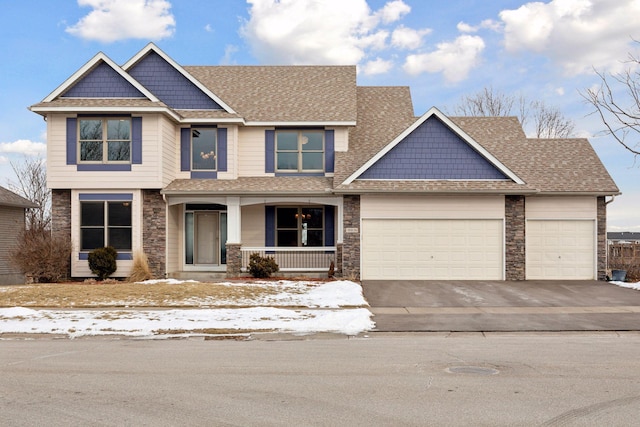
<point x="206" y="238"/>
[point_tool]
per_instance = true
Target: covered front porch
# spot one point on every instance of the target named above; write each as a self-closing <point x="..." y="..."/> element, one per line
<point x="212" y="237"/>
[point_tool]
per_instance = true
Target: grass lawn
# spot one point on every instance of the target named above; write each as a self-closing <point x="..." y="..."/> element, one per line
<point x="122" y="294"/>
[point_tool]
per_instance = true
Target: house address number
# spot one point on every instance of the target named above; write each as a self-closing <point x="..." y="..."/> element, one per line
<point x="351" y="230"/>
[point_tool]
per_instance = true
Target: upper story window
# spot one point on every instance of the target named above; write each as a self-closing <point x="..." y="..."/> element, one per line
<point x="204" y="149"/>
<point x="105" y="140"/>
<point x="300" y="151"/>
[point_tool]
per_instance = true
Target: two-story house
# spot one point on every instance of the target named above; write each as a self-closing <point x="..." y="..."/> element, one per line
<point x="200" y="166"/>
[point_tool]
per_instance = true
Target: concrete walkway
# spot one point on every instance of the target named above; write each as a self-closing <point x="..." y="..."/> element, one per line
<point x="485" y="306"/>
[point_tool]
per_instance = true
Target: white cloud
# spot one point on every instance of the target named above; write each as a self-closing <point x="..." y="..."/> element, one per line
<point x="229" y="51"/>
<point x="577" y="34"/>
<point x="113" y="20"/>
<point x="488" y="24"/>
<point x="208" y="28"/>
<point x="408" y="38"/>
<point x="377" y="66"/>
<point x="454" y="59"/>
<point x="319" y="32"/>
<point x="3" y="160"/>
<point x="23" y="146"/>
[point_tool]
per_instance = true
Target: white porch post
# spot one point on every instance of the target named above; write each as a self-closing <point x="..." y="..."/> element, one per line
<point x="234" y="220"/>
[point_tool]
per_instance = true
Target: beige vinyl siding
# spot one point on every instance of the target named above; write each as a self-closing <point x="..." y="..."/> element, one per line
<point x="11" y="224"/>
<point x="251" y="152"/>
<point x="232" y="154"/>
<point x="146" y="175"/>
<point x="170" y="150"/>
<point x="341" y="138"/>
<point x="252" y="227"/>
<point x="80" y="268"/>
<point x="432" y="207"/>
<point x="561" y="207"/>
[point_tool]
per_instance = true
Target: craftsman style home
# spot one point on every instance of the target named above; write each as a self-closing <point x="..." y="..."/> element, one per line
<point x="200" y="166"/>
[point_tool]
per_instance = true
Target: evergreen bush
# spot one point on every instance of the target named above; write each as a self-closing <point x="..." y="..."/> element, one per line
<point x="102" y="262"/>
<point x="262" y="267"/>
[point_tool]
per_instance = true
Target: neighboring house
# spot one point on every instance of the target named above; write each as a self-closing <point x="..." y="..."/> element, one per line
<point x="12" y="223"/>
<point x="623" y="237"/>
<point x="200" y="166"/>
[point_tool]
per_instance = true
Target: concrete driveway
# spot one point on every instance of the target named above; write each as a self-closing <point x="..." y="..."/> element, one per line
<point x="484" y="306"/>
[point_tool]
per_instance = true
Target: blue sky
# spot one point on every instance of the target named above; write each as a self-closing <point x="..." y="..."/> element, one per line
<point x="441" y="50"/>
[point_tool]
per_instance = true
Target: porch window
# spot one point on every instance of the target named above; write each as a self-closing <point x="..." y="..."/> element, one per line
<point x="105" y="140"/>
<point x="299" y="226"/>
<point x="300" y="151"/>
<point x="105" y="223"/>
<point x="204" y="149"/>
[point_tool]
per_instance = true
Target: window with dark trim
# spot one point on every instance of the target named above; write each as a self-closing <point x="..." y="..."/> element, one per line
<point x="299" y="226"/>
<point x="299" y="151"/>
<point x="105" y="223"/>
<point x="204" y="149"/>
<point x="104" y="140"/>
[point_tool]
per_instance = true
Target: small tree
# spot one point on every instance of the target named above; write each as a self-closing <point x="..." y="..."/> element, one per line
<point x="102" y="262"/>
<point x="32" y="185"/>
<point x="42" y="257"/>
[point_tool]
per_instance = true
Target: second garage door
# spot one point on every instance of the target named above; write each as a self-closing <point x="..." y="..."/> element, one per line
<point x="561" y="249"/>
<point x="432" y="249"/>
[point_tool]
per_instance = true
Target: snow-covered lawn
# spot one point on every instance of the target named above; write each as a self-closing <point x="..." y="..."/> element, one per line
<point x="293" y="307"/>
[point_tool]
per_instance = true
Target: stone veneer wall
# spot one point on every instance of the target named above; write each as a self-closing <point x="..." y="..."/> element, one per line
<point x="234" y="259"/>
<point x="61" y="218"/>
<point x="351" y="244"/>
<point x="154" y="234"/>
<point x="602" y="238"/>
<point x="515" y="251"/>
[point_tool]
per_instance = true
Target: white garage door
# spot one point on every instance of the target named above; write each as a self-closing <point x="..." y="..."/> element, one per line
<point x="561" y="249"/>
<point x="428" y="249"/>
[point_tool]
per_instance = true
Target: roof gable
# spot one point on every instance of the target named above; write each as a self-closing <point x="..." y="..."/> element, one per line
<point x="9" y="198"/>
<point x="96" y="72"/>
<point x="440" y="145"/>
<point x="432" y="151"/>
<point x="172" y="83"/>
<point x="102" y="82"/>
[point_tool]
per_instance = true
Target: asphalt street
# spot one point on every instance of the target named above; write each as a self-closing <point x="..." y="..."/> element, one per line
<point x="439" y="379"/>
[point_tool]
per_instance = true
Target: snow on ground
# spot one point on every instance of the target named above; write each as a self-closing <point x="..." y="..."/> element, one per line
<point x="339" y="314"/>
<point x="635" y="286"/>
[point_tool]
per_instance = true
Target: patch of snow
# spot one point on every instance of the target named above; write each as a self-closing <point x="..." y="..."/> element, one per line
<point x="635" y="286"/>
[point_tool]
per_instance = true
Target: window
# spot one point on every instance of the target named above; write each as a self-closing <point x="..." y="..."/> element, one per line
<point x="105" y="224"/>
<point x="203" y="149"/>
<point x="300" y="151"/>
<point x="300" y="226"/>
<point x="105" y="140"/>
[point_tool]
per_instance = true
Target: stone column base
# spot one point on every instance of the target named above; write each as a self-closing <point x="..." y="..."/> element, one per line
<point x="234" y="259"/>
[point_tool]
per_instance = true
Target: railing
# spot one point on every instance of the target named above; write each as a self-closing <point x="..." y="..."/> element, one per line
<point x="294" y="258"/>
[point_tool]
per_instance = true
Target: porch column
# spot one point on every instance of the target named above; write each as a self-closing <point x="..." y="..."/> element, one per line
<point x="234" y="243"/>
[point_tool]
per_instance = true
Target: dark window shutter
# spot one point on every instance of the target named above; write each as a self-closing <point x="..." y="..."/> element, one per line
<point x="329" y="226"/>
<point x="329" y="150"/>
<point x="72" y="141"/>
<point x="270" y="226"/>
<point x="136" y="140"/>
<point x="269" y="151"/>
<point x="222" y="149"/>
<point x="185" y="149"/>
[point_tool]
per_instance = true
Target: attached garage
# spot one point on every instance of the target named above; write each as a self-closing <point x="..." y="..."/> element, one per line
<point x="432" y="238"/>
<point x="561" y="238"/>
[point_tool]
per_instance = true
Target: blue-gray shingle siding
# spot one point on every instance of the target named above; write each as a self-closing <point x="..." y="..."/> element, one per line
<point x="432" y="151"/>
<point x="103" y="82"/>
<point x="169" y="85"/>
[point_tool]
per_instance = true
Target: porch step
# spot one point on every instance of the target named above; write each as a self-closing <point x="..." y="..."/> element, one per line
<point x="200" y="276"/>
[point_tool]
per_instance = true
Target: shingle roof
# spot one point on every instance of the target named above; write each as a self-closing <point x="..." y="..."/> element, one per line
<point x="284" y="93"/>
<point x="9" y="198"/>
<point x="252" y="185"/>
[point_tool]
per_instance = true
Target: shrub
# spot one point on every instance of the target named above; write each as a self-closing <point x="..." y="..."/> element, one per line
<point x="41" y="256"/>
<point x="140" y="270"/>
<point x="262" y="267"/>
<point x="102" y="262"/>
